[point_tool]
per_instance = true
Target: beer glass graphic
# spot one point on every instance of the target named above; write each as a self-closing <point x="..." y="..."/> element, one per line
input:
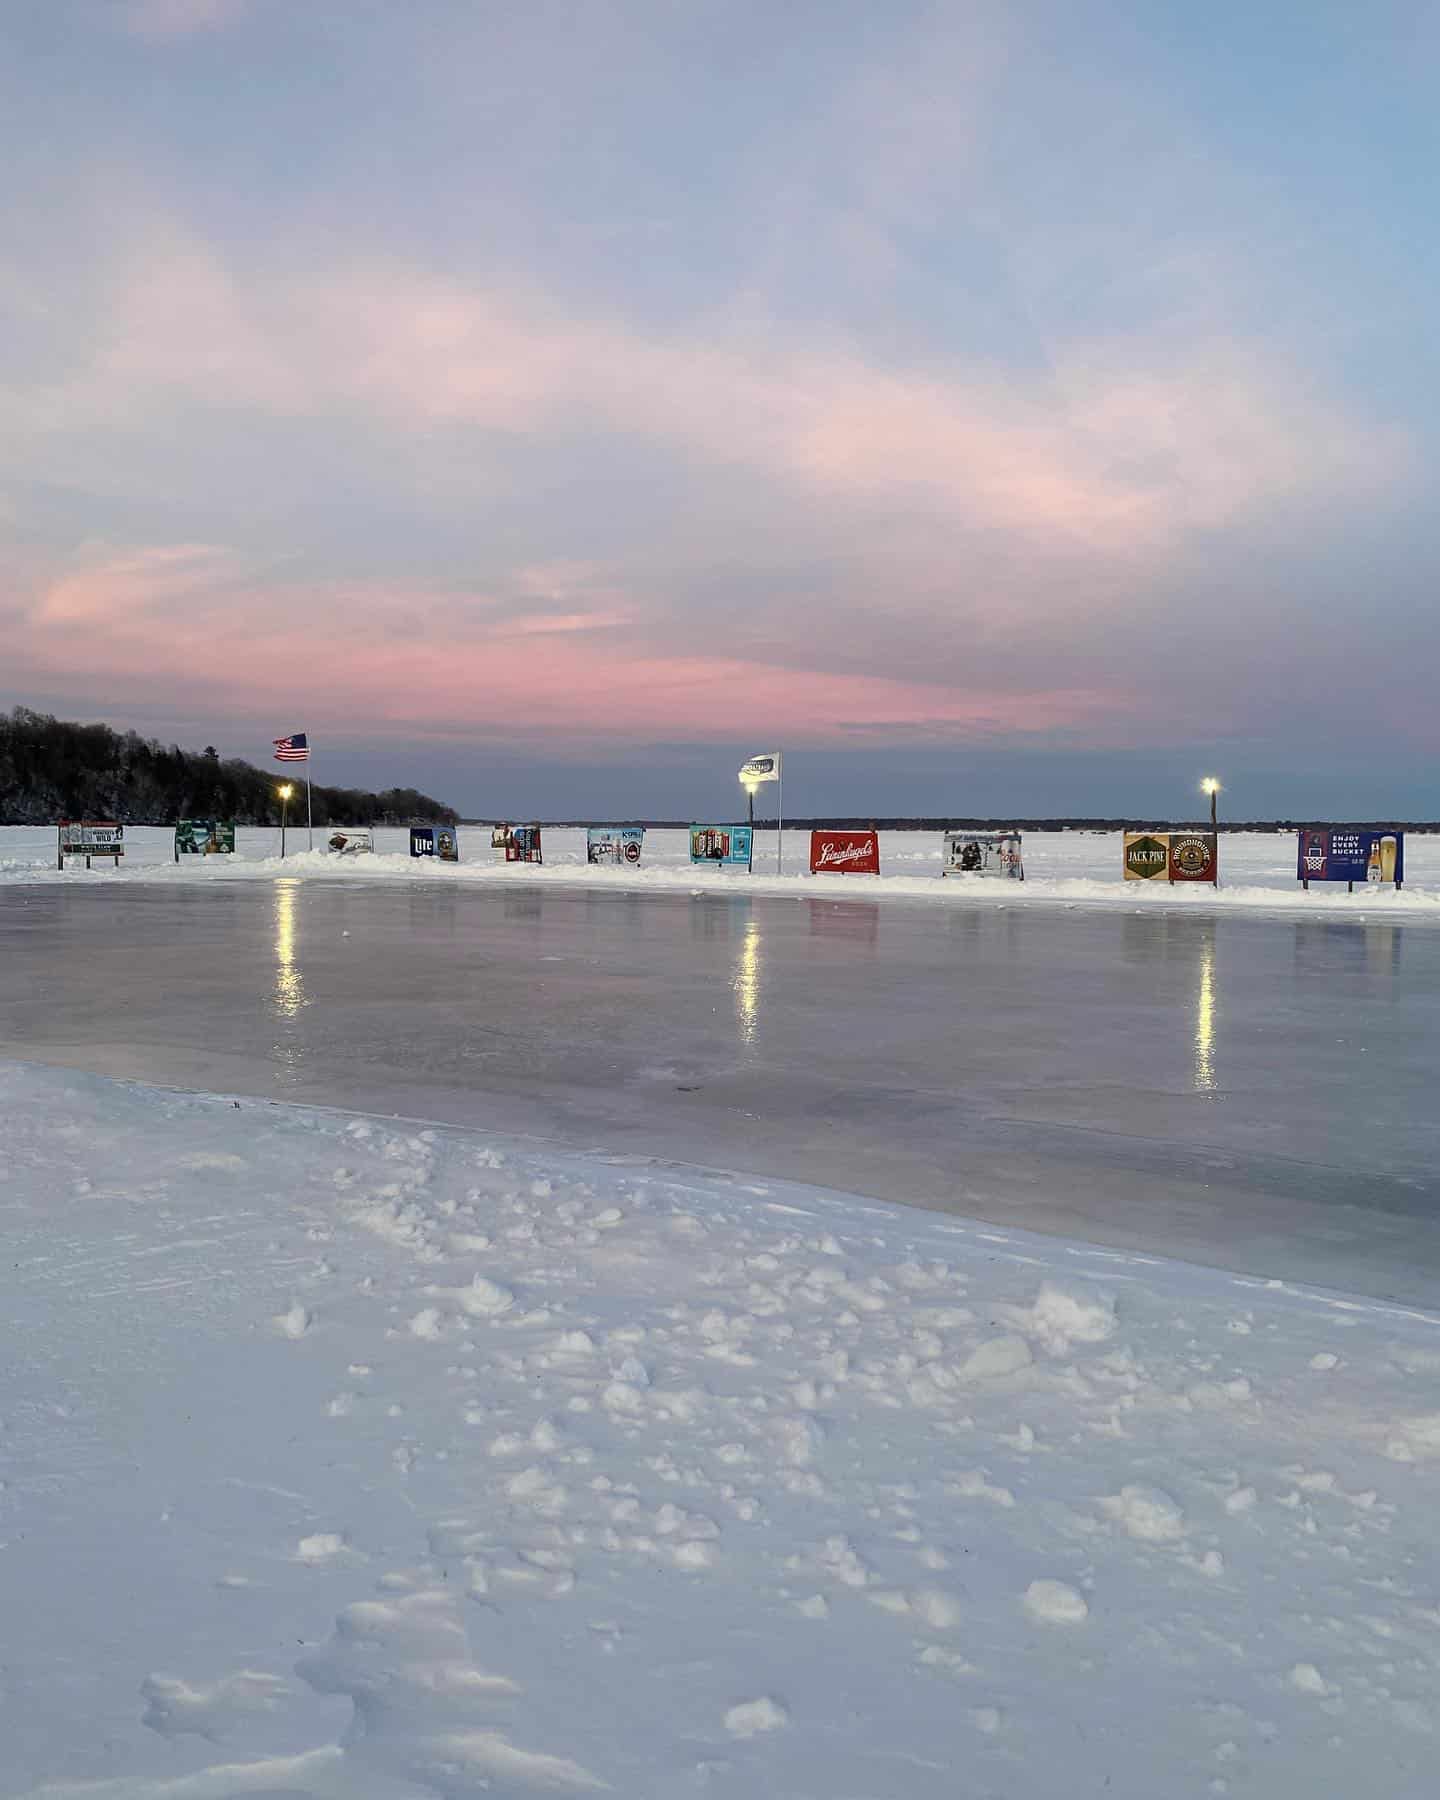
<point x="1388" y="852"/>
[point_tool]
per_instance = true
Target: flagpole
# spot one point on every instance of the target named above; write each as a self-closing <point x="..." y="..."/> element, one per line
<point x="309" y="824"/>
<point x="780" y="821"/>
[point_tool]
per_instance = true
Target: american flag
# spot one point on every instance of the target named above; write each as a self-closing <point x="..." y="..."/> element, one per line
<point x="295" y="748"/>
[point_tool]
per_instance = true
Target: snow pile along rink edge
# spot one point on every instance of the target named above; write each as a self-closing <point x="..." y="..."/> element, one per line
<point x="588" y="1475"/>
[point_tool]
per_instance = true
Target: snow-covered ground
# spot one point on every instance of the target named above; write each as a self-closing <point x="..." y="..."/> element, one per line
<point x="346" y="1460"/>
<point x="1072" y="868"/>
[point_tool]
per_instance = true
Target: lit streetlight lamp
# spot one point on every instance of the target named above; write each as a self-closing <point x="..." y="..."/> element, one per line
<point x="1211" y="787"/>
<point x="749" y="787"/>
<point x="285" y="790"/>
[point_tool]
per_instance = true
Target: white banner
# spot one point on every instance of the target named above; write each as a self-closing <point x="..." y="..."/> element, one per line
<point x="91" y="837"/>
<point x="761" y="768"/>
<point x="350" y="840"/>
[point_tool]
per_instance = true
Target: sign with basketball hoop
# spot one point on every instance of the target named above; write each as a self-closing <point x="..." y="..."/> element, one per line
<point x="844" y="853"/>
<point x="619" y="845"/>
<point x="724" y="846"/>
<point x="994" y="854"/>
<point x="1351" y="853"/>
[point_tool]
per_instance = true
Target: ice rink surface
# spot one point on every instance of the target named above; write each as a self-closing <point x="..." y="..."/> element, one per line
<point x="1248" y="1089"/>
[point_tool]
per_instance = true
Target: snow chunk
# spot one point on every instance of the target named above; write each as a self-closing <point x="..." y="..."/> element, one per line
<point x="751" y="1717"/>
<point x="1148" y="1514"/>
<point x="1415" y="1439"/>
<point x="972" y="1485"/>
<point x="426" y="1323"/>
<point x="1055" y="1603"/>
<point x="994" y="1360"/>
<point x="1305" y="1678"/>
<point x="935" y="1608"/>
<point x="295" y="1323"/>
<point x="1068" y="1313"/>
<point x="485" y="1299"/>
<point x="173" y="1707"/>
<point x="799" y="1440"/>
<point x="320" y="1547"/>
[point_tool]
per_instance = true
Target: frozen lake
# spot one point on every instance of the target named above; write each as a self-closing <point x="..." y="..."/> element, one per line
<point x="1255" y="1092"/>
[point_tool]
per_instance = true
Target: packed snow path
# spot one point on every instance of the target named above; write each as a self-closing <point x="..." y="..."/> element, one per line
<point x="1250" y="1092"/>
<point x="347" y="1461"/>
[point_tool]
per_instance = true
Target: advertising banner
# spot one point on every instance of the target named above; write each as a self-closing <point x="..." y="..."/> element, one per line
<point x="1147" y="855"/>
<point x="995" y="854"/>
<point x="844" y="853"/>
<point x="761" y="768"/>
<point x="726" y="846"/>
<point x="1172" y="856"/>
<point x="91" y="837"/>
<point x="1194" y="856"/>
<point x="517" y="844"/>
<point x="1351" y="853"/>
<point x="440" y="841"/>
<point x="204" y="837"/>
<point x="619" y="844"/>
<point x="350" y="840"/>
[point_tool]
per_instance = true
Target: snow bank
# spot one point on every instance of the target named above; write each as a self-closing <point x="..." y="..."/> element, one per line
<point x="1076" y="869"/>
<point x="592" y="1476"/>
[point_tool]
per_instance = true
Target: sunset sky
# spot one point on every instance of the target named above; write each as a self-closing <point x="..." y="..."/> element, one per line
<point x="1022" y="407"/>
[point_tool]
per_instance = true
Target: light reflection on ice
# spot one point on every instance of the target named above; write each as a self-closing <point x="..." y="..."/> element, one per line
<point x="289" y="982"/>
<point x="1205" y="1018"/>
<point x="747" y="981"/>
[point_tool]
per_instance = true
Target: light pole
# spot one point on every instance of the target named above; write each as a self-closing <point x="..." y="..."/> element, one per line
<point x="1211" y="787"/>
<point x="749" y="787"/>
<point x="284" y="791"/>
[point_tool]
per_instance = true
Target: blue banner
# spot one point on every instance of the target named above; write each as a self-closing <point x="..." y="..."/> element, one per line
<point x="725" y="845"/>
<point x="1351" y="853"/>
<point x="622" y="844"/>
<point x="521" y="843"/>
<point x="440" y="841"/>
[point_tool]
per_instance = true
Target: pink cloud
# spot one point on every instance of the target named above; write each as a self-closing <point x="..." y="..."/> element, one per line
<point x="99" y="590"/>
<point x="162" y="19"/>
<point x="189" y="619"/>
<point x="1113" y="450"/>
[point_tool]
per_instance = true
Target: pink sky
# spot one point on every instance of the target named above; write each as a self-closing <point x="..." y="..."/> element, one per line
<point x="440" y="373"/>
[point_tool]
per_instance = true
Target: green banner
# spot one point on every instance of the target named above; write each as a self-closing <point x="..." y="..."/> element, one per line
<point x="204" y="837"/>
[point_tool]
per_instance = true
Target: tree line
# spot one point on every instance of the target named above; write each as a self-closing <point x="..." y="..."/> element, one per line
<point x="57" y="769"/>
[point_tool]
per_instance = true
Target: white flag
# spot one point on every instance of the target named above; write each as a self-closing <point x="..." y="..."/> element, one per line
<point x="761" y="768"/>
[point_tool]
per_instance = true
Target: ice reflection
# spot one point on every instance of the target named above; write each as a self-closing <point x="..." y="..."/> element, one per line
<point x="1382" y="949"/>
<point x="289" y="982"/>
<point x="746" y="982"/>
<point x="848" y="922"/>
<point x="1205" y="1017"/>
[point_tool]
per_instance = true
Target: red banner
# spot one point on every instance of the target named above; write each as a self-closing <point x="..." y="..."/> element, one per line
<point x="844" y="853"/>
<point x="1193" y="856"/>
